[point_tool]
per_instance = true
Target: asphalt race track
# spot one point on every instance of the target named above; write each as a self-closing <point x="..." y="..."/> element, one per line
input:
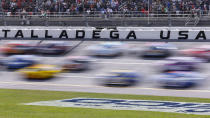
<point x="87" y="81"/>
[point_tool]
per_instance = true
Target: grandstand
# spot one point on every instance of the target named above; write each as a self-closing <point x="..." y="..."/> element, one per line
<point x="105" y="12"/>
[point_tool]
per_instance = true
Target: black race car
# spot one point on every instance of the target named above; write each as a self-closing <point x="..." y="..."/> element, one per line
<point x="53" y="48"/>
<point x="76" y="63"/>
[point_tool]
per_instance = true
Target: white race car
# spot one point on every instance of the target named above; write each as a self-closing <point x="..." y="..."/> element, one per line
<point x="180" y="79"/>
<point x="108" y="49"/>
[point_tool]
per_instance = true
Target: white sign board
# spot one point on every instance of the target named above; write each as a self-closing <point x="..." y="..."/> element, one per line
<point x="175" y="33"/>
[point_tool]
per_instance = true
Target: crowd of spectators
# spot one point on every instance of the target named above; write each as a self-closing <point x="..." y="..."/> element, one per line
<point x="104" y="6"/>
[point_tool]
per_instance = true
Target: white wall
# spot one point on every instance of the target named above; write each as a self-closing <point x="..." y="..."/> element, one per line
<point x="123" y="32"/>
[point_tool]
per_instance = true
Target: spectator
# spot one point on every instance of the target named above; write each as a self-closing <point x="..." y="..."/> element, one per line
<point x="110" y="6"/>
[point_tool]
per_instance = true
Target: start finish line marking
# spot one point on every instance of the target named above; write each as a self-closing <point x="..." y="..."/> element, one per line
<point x="122" y="104"/>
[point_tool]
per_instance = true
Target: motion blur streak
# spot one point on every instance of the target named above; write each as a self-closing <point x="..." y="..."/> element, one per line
<point x="137" y="74"/>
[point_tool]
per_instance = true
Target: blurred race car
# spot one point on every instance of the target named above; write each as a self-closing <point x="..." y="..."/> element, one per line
<point x="181" y="64"/>
<point x="18" y="48"/>
<point x="180" y="79"/>
<point x="18" y="61"/>
<point x="110" y="49"/>
<point x="76" y="63"/>
<point x="158" y="51"/>
<point x="40" y="71"/>
<point x="120" y="78"/>
<point x="202" y="52"/>
<point x="54" y="48"/>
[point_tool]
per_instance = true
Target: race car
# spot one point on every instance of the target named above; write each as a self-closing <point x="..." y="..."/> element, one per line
<point x="40" y="71"/>
<point x="158" y="51"/>
<point x="18" y="48"/>
<point x="180" y="79"/>
<point x="202" y="52"/>
<point x="108" y="49"/>
<point x="54" y="48"/>
<point x="181" y="64"/>
<point x="120" y="78"/>
<point x="76" y="63"/>
<point x="16" y="62"/>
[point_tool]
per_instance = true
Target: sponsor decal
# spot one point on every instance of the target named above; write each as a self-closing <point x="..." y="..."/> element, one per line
<point x="123" y="104"/>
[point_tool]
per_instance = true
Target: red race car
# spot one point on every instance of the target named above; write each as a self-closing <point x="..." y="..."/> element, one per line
<point x="17" y="48"/>
<point x="202" y="52"/>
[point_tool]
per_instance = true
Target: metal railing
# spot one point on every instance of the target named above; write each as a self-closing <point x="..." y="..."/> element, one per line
<point x="114" y="14"/>
<point x="119" y="18"/>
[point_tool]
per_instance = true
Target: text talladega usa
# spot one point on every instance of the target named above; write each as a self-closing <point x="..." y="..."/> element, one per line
<point x="107" y="33"/>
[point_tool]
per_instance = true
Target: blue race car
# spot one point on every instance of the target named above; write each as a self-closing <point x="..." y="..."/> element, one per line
<point x="120" y="78"/>
<point x="180" y="79"/>
<point x="18" y="61"/>
<point x="158" y="51"/>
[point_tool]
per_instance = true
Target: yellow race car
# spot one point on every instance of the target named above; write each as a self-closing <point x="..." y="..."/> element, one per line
<point x="40" y="71"/>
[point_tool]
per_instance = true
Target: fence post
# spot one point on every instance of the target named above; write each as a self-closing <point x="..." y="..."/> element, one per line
<point x="85" y="18"/>
<point x="5" y="23"/>
<point x="124" y="19"/>
<point x="148" y="14"/>
<point x="169" y="18"/>
<point x="46" y="20"/>
<point x="1" y="10"/>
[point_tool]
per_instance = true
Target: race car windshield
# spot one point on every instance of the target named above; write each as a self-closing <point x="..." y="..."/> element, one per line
<point x="79" y="61"/>
<point x="125" y="75"/>
<point x="107" y="46"/>
<point x="156" y="48"/>
<point x="179" y="75"/>
<point x="31" y="69"/>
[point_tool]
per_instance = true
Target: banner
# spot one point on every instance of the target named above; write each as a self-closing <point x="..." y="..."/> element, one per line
<point x="117" y="33"/>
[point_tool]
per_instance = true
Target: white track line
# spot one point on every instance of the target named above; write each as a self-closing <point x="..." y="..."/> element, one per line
<point x="94" y="86"/>
<point x="70" y="76"/>
<point x="123" y="63"/>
